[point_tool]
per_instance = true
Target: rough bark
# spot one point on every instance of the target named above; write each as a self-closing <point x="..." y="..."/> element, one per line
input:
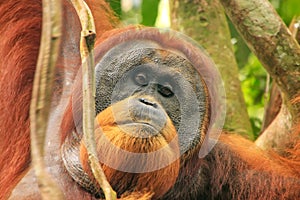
<point x="271" y="41"/>
<point x="276" y="134"/>
<point x="272" y="108"/>
<point x="276" y="128"/>
<point x="205" y="22"/>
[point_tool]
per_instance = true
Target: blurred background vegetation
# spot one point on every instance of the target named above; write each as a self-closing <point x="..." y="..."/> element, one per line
<point x="254" y="79"/>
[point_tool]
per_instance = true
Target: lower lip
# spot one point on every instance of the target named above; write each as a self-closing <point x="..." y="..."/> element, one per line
<point x="153" y="131"/>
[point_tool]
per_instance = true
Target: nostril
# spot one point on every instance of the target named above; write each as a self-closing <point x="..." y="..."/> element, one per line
<point x="147" y="102"/>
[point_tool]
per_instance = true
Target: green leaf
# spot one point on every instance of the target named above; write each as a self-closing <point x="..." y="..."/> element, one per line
<point x="241" y="50"/>
<point x="287" y="9"/>
<point x="253" y="77"/>
<point x="149" y="12"/>
<point x="116" y="6"/>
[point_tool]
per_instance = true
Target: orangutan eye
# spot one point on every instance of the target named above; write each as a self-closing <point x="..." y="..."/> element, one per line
<point x="165" y="90"/>
<point x="141" y="79"/>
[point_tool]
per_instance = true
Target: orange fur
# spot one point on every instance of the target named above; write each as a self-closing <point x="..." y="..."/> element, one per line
<point x="240" y="170"/>
<point x="103" y="15"/>
<point x="245" y="149"/>
<point x="140" y="195"/>
<point x="235" y="169"/>
<point x="110" y="137"/>
<point x="20" y="26"/>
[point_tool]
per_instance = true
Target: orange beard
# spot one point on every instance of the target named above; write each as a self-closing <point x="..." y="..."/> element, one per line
<point x="133" y="163"/>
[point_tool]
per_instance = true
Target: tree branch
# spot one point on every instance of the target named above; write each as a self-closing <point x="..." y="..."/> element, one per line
<point x="275" y="134"/>
<point x="88" y="35"/>
<point x="271" y="41"/>
<point x="41" y="95"/>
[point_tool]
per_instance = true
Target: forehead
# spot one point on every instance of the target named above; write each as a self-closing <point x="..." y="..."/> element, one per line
<point x="128" y="55"/>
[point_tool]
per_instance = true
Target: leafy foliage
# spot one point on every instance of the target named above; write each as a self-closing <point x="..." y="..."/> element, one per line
<point x="287" y="9"/>
<point x="116" y="6"/>
<point x="254" y="80"/>
<point x="149" y="12"/>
